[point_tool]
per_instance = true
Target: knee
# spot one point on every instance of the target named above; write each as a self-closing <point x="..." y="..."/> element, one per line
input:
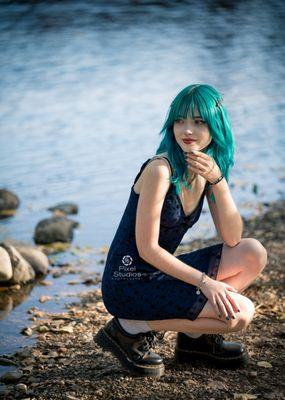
<point x="255" y="252"/>
<point x="244" y="318"/>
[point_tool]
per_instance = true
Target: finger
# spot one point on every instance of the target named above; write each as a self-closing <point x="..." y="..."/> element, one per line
<point x="228" y="305"/>
<point x="207" y="164"/>
<point x="195" y="170"/>
<point x="216" y="307"/>
<point x="199" y="160"/>
<point x="234" y="303"/>
<point x="197" y="164"/>
<point x="229" y="287"/>
<point x="223" y="311"/>
<point x="200" y="154"/>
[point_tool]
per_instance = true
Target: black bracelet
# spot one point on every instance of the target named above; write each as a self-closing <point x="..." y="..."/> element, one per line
<point x="217" y="181"/>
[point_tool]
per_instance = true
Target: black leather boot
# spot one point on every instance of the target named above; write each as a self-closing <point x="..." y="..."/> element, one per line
<point x="212" y="348"/>
<point x="133" y="351"/>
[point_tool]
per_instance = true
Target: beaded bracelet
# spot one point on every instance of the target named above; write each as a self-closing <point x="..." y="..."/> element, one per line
<point x="202" y="282"/>
<point x="216" y="181"/>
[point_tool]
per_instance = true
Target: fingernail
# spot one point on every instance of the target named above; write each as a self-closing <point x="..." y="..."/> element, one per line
<point x="238" y="310"/>
<point x="233" y="317"/>
<point x="220" y="316"/>
<point x="227" y="317"/>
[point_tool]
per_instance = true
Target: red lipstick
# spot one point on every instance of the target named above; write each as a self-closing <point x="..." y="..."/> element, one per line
<point x="188" y="141"/>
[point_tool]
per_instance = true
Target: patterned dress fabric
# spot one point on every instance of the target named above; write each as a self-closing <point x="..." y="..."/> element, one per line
<point x="135" y="289"/>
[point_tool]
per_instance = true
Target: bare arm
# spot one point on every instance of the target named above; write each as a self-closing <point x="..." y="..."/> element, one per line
<point x="153" y="191"/>
<point x="225" y="214"/>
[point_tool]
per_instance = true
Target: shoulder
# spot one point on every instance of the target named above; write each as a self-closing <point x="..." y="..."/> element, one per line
<point x="157" y="168"/>
<point x="156" y="176"/>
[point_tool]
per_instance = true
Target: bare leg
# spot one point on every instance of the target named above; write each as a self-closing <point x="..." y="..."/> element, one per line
<point x="239" y="266"/>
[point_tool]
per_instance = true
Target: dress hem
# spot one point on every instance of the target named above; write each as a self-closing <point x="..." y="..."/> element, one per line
<point x="213" y="269"/>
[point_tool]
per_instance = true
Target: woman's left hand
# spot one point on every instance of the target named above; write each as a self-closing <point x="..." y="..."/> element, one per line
<point x="202" y="164"/>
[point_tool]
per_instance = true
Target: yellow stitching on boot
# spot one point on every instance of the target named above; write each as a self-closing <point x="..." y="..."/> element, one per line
<point x="218" y="358"/>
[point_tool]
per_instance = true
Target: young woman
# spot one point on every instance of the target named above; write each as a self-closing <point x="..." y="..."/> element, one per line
<point x="145" y="287"/>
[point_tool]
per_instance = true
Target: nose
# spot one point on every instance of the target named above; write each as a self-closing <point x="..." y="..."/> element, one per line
<point x="188" y="130"/>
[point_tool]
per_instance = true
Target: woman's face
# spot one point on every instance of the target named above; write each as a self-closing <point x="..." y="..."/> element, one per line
<point x="192" y="134"/>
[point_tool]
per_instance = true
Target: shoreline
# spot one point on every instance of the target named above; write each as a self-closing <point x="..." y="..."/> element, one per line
<point x="65" y="363"/>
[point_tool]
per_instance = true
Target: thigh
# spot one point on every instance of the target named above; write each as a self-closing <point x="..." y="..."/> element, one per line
<point x="236" y="259"/>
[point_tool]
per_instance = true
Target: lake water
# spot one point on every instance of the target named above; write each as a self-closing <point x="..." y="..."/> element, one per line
<point x="85" y="87"/>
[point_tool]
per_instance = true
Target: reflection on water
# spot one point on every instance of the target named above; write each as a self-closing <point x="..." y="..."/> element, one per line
<point x="12" y="298"/>
<point x="85" y="87"/>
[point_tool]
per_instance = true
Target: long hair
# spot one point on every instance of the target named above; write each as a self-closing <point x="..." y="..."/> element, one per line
<point x="209" y="102"/>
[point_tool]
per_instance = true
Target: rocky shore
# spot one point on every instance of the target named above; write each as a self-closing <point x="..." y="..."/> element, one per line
<point x="66" y="364"/>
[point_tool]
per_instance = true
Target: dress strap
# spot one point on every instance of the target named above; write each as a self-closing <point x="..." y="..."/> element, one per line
<point x="147" y="161"/>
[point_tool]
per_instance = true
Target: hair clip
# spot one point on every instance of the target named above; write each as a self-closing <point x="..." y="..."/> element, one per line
<point x="219" y="102"/>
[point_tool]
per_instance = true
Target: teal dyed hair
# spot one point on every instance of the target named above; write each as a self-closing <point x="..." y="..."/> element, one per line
<point x="208" y="102"/>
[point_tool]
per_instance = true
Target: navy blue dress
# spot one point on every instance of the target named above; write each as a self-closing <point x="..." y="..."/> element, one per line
<point x="135" y="289"/>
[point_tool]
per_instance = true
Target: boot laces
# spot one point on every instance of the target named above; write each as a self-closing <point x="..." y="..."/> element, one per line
<point x="150" y="339"/>
<point x="218" y="338"/>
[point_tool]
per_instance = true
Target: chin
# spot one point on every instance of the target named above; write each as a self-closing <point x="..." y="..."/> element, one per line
<point x="192" y="146"/>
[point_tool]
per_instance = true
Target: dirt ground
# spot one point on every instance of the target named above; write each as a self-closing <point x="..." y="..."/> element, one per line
<point x="66" y="364"/>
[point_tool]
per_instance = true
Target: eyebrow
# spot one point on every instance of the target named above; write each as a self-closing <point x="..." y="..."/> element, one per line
<point x="195" y="116"/>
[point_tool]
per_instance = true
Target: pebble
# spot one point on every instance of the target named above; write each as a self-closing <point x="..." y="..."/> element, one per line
<point x="43" y="299"/>
<point x="11" y="376"/>
<point x="25" y="352"/>
<point x="46" y="283"/>
<point x="64" y="329"/>
<point x="6" y="361"/>
<point x="70" y="397"/>
<point x="42" y="329"/>
<point x="27" y="331"/>
<point x="21" y="387"/>
<point x="252" y="373"/>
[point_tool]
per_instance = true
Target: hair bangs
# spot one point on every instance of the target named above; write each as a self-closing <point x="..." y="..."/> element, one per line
<point x="204" y="101"/>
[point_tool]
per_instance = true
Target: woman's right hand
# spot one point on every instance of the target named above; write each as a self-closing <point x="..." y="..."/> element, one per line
<point x="219" y="295"/>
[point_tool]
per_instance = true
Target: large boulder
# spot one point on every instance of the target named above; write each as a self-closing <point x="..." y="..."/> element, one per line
<point x="54" y="229"/>
<point x="6" y="271"/>
<point x="36" y="258"/>
<point x="22" y="270"/>
<point x="66" y="208"/>
<point x="9" y="202"/>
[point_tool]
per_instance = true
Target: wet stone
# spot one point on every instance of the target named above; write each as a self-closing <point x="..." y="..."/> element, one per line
<point x="11" y="376"/>
<point x="21" y="387"/>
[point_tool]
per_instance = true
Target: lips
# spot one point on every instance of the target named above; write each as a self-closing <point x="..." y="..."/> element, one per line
<point x="188" y="141"/>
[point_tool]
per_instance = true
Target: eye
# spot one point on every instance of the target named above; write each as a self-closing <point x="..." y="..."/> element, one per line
<point x="199" y="122"/>
<point x="179" y="121"/>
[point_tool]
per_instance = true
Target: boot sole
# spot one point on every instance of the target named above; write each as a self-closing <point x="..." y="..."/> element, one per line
<point x="108" y="344"/>
<point x="190" y="357"/>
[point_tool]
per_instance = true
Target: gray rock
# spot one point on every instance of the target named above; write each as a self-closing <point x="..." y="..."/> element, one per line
<point x="22" y="270"/>
<point x="21" y="387"/>
<point x="66" y="208"/>
<point x="6" y="271"/>
<point x="7" y="361"/>
<point x="36" y="258"/>
<point x="11" y="376"/>
<point x="54" y="229"/>
<point x="27" y="331"/>
<point x="9" y="202"/>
